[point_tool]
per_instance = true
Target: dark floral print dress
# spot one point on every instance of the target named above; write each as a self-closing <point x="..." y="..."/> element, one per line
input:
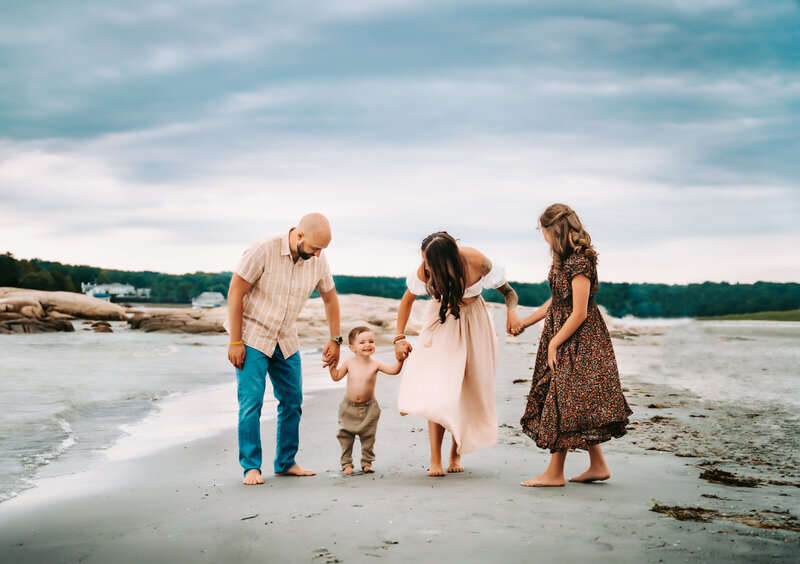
<point x="581" y="402"/>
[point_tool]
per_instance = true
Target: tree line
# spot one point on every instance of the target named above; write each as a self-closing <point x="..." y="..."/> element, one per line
<point x="640" y="300"/>
<point x="164" y="288"/>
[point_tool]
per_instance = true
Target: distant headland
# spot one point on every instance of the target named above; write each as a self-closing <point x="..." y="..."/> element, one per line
<point x="620" y="299"/>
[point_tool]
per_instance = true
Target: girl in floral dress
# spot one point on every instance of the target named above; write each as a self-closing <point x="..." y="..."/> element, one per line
<point x="576" y="399"/>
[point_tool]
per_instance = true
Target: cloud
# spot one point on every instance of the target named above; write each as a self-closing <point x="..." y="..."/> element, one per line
<point x="194" y="127"/>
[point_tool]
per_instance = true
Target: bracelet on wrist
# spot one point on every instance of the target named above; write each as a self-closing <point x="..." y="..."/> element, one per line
<point x="238" y="343"/>
<point x="399" y="338"/>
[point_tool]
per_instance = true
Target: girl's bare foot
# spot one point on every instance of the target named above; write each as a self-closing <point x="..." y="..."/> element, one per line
<point x="436" y="469"/>
<point x="348" y="470"/>
<point x="593" y="475"/>
<point x="296" y="470"/>
<point x="544" y="481"/>
<point x="598" y="469"/>
<point x="368" y="469"/>
<point x="253" y="478"/>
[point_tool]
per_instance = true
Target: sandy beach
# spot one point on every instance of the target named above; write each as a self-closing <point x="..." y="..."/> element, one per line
<point x="186" y="503"/>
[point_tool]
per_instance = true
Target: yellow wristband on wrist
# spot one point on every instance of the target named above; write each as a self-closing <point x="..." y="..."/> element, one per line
<point x="238" y="343"/>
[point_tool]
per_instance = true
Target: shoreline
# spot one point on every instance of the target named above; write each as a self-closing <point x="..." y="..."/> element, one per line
<point x="176" y="419"/>
<point x="186" y="502"/>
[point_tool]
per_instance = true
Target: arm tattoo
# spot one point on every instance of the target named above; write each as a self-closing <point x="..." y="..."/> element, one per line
<point x="510" y="295"/>
<point x="486" y="266"/>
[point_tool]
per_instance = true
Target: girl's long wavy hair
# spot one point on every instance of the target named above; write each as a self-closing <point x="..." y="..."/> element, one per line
<point x="569" y="236"/>
<point x="446" y="272"/>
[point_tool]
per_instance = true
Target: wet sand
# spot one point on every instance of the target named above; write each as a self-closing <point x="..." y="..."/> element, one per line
<point x="187" y="504"/>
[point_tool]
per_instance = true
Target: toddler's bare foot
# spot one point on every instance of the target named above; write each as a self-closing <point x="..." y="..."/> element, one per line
<point x="348" y="470"/>
<point x="368" y="469"/>
<point x="544" y="481"/>
<point x="455" y="465"/>
<point x="436" y="469"/>
<point x="296" y="470"/>
<point x="253" y="478"/>
<point x="593" y="475"/>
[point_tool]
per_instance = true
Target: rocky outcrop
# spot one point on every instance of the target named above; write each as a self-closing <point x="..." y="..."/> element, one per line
<point x="35" y="311"/>
<point x="102" y="327"/>
<point x="179" y="320"/>
<point x="34" y="325"/>
<point x="379" y="314"/>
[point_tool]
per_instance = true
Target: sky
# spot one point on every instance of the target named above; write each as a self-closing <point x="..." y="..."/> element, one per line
<point x="167" y="136"/>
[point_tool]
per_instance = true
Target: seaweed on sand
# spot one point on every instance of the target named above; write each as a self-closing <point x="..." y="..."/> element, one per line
<point x="717" y="476"/>
<point x="762" y="518"/>
<point x="702" y="514"/>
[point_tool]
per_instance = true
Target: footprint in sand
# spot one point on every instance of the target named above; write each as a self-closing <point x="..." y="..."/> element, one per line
<point x="324" y="555"/>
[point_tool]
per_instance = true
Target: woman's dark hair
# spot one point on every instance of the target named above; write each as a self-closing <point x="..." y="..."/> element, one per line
<point x="446" y="272"/>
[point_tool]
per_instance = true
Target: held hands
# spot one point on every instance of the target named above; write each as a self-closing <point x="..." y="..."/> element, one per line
<point x="330" y="355"/>
<point x="402" y="350"/>
<point x="514" y="325"/>
<point x="552" y="363"/>
<point x="236" y="355"/>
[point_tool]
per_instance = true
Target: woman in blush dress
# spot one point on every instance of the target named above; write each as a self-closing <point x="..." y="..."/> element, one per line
<point x="449" y="377"/>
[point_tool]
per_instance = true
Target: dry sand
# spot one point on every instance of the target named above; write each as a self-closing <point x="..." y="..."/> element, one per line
<point x="187" y="503"/>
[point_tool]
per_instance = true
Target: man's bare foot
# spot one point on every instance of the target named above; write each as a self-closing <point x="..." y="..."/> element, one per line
<point x="297" y="471"/>
<point x="348" y="470"/>
<point x="253" y="478"/>
<point x="368" y="469"/>
<point x="455" y="465"/>
<point x="544" y="481"/>
<point x="436" y="469"/>
<point x="592" y="475"/>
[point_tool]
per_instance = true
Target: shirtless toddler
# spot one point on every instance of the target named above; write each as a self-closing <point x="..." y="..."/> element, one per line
<point x="359" y="411"/>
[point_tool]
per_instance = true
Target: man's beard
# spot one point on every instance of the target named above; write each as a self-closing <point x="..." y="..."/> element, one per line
<point x="302" y="253"/>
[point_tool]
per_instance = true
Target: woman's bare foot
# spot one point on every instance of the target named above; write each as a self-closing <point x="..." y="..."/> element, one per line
<point x="348" y="470"/>
<point x="436" y="469"/>
<point x="455" y="459"/>
<point x="368" y="469"/>
<point x="253" y="478"/>
<point x="455" y="465"/>
<point x="403" y="414"/>
<point x="296" y="470"/>
<point x="544" y="481"/>
<point x="593" y="475"/>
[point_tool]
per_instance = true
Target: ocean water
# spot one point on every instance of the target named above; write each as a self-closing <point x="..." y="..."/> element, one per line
<point x="67" y="397"/>
<point x="743" y="400"/>
<point x="749" y="363"/>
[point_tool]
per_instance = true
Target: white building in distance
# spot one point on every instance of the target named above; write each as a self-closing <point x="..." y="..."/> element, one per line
<point x="117" y="290"/>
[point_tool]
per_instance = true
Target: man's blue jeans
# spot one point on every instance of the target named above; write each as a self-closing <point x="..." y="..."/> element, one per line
<point x="287" y="381"/>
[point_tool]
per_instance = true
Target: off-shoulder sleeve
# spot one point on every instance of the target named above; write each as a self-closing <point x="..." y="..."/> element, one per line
<point x="578" y="264"/>
<point x="495" y="278"/>
<point x="415" y="285"/>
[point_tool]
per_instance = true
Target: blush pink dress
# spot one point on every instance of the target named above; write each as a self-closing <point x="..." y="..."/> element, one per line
<point x="450" y="374"/>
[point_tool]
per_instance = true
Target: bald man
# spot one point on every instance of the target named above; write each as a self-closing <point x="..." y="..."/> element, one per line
<point x="269" y="288"/>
